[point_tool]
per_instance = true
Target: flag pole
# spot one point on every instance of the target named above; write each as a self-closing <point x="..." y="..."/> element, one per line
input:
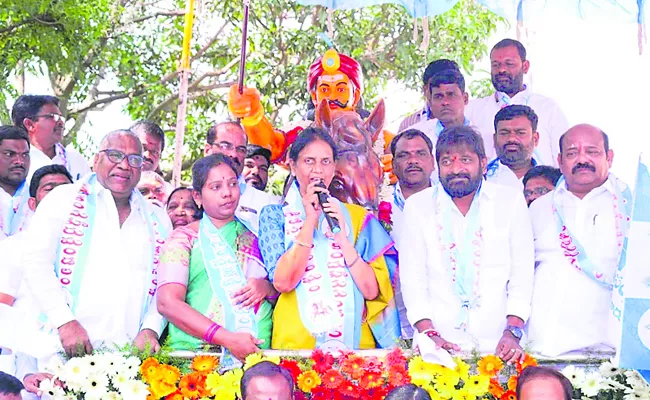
<point x="244" y="42"/>
<point x="182" y="94"/>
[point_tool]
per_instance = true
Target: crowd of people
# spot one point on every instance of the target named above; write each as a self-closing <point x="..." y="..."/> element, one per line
<point x="491" y="246"/>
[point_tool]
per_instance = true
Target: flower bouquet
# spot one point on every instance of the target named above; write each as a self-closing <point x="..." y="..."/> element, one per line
<point x="606" y="382"/>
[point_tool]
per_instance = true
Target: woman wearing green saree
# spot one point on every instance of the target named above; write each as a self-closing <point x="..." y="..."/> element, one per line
<point x="213" y="287"/>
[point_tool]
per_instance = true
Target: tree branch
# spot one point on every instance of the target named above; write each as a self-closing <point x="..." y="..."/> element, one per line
<point x="173" y="13"/>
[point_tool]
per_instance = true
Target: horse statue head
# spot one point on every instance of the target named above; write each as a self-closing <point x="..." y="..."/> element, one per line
<point x="359" y="173"/>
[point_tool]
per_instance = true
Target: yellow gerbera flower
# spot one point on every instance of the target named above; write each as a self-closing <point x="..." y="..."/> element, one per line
<point x="420" y="370"/>
<point x="168" y="373"/>
<point x="462" y="368"/>
<point x="204" y="363"/>
<point x="213" y="382"/>
<point x="160" y="389"/>
<point x="253" y="359"/>
<point x="308" y="380"/>
<point x="463" y="394"/>
<point x="148" y="369"/>
<point x="229" y="385"/>
<point x="477" y="385"/>
<point x="445" y="389"/>
<point x="433" y="393"/>
<point x="490" y="365"/>
<point x="274" y="359"/>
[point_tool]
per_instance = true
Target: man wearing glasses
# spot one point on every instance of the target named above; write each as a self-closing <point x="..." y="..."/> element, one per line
<point x="229" y="139"/>
<point x="92" y="240"/>
<point x="540" y="180"/>
<point x="45" y="125"/>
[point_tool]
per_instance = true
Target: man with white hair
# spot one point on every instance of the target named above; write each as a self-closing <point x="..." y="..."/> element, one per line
<point x="94" y="253"/>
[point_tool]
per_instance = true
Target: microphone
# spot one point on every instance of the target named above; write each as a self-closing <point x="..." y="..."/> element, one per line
<point x="331" y="221"/>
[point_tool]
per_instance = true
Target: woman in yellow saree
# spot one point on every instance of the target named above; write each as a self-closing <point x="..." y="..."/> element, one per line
<point x="335" y="288"/>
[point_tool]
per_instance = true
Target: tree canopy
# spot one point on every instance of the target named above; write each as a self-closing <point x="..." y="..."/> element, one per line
<point x="96" y="53"/>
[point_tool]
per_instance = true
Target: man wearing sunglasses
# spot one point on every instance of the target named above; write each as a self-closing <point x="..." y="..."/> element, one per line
<point x="45" y="125"/>
<point x="94" y="251"/>
<point x="229" y="139"/>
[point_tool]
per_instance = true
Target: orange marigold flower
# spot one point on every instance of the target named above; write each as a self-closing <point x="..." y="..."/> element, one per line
<point x="205" y="363"/>
<point x="529" y="361"/>
<point x="193" y="385"/>
<point x="398" y="375"/>
<point x="332" y="379"/>
<point x="512" y="383"/>
<point x="168" y="373"/>
<point x="495" y="388"/>
<point x="353" y="366"/>
<point x="509" y="395"/>
<point x="371" y="380"/>
<point x="308" y="380"/>
<point x="490" y="365"/>
<point x="148" y="369"/>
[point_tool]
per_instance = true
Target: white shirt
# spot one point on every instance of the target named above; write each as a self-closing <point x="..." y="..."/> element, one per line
<point x="569" y="310"/>
<point x="504" y="176"/>
<point x="72" y="160"/>
<point x="116" y="277"/>
<point x="251" y="203"/>
<point x="552" y="123"/>
<point x="505" y="274"/>
<point x="6" y="203"/>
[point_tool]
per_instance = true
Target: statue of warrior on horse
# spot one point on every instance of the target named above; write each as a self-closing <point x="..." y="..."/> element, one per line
<point x="335" y="85"/>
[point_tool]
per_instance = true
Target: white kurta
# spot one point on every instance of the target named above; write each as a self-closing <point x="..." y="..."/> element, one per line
<point x="504" y="176"/>
<point x="505" y="274"/>
<point x="116" y="279"/>
<point x="251" y="203"/>
<point x="552" y="123"/>
<point x="569" y="310"/>
<point x="72" y="160"/>
<point x="5" y="205"/>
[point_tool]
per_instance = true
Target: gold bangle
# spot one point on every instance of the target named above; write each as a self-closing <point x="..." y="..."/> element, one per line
<point x="303" y="244"/>
<point x="355" y="261"/>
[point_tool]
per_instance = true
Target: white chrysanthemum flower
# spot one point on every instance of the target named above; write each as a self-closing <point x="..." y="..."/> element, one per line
<point x="575" y="375"/>
<point x="96" y="385"/>
<point x="94" y="363"/>
<point x="608" y="370"/>
<point x="592" y="384"/>
<point x="48" y="388"/>
<point x="637" y="394"/>
<point x="131" y="367"/>
<point x="112" y="363"/>
<point x="611" y="384"/>
<point x="112" y="396"/>
<point x="635" y="380"/>
<point x="75" y="373"/>
<point x="120" y="380"/>
<point x="134" y="390"/>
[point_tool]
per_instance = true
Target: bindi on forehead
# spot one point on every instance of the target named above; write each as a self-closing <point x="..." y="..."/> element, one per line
<point x="332" y="78"/>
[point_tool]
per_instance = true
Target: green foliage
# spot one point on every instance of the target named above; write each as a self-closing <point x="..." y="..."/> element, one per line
<point x="102" y="51"/>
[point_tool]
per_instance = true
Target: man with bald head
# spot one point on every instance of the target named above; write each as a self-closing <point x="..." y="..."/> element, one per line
<point x="579" y="230"/>
<point x="229" y="138"/>
<point x="94" y="252"/>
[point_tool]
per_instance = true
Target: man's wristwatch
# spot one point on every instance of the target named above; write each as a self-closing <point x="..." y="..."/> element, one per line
<point x="516" y="331"/>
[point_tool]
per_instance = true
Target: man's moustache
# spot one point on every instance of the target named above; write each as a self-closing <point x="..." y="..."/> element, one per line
<point x="454" y="176"/>
<point x="413" y="168"/>
<point x="338" y="103"/>
<point x="580" y="166"/>
<point x="519" y="146"/>
<point x="503" y="75"/>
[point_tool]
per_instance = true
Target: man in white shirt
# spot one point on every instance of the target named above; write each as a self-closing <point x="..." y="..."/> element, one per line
<point x="579" y="230"/>
<point x="515" y="139"/>
<point x="469" y="254"/>
<point x="41" y="117"/>
<point x="94" y="253"/>
<point x="229" y="139"/>
<point x="13" y="290"/>
<point x="413" y="164"/>
<point x="447" y="101"/>
<point x="14" y="188"/>
<point x="509" y="64"/>
<point x="424" y="114"/>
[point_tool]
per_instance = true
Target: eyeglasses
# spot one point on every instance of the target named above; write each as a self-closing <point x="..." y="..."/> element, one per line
<point x="116" y="157"/>
<point x="55" y="117"/>
<point x="227" y="146"/>
<point x="540" y="191"/>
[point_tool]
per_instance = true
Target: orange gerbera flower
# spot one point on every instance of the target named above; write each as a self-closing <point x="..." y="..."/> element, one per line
<point x="193" y="385"/>
<point x="148" y="369"/>
<point x="204" y="363"/>
<point x="398" y="375"/>
<point x="159" y="388"/>
<point x="175" y="396"/>
<point x="490" y="365"/>
<point x="395" y="357"/>
<point x="509" y="395"/>
<point x="349" y="389"/>
<point x="529" y="361"/>
<point x="168" y="373"/>
<point x="370" y="380"/>
<point x="332" y="379"/>
<point x="353" y="366"/>
<point x="512" y="383"/>
<point x="496" y="389"/>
